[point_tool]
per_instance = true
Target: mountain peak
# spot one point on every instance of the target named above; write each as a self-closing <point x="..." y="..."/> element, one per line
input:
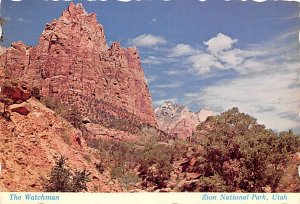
<point x="73" y="29"/>
<point x="72" y="8"/>
<point x="177" y="120"/>
<point x="73" y="64"/>
<point x="76" y="9"/>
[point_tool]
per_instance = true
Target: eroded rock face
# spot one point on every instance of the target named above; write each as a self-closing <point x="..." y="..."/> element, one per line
<point x="73" y="63"/>
<point x="29" y="145"/>
<point x="178" y="121"/>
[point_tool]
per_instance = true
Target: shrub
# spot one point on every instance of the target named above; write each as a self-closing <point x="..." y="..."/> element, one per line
<point x="100" y="167"/>
<point x="117" y="172"/>
<point x="68" y="112"/>
<point x="35" y="92"/>
<point x="66" y="138"/>
<point x="155" y="162"/>
<point x="87" y="157"/>
<point x="239" y="154"/>
<point x="62" y="179"/>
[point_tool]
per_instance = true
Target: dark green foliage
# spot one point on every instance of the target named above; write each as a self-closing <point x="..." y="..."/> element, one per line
<point x="229" y="152"/>
<point x="240" y="154"/>
<point x="68" y="112"/>
<point x="6" y="103"/>
<point x="100" y="167"/>
<point x="117" y="172"/>
<point x="35" y="92"/>
<point x="290" y="181"/>
<point x="155" y="161"/>
<point x="79" y="180"/>
<point x="62" y="179"/>
<point x="6" y="100"/>
<point x="152" y="159"/>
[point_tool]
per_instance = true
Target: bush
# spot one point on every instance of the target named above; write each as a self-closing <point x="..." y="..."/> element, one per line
<point x="67" y="112"/>
<point x="100" y="167"/>
<point x="35" y="92"/>
<point x="117" y="172"/>
<point x="155" y="162"/>
<point x="61" y="178"/>
<point x="239" y="154"/>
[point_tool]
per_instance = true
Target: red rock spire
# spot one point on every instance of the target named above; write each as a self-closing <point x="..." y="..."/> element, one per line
<point x="73" y="63"/>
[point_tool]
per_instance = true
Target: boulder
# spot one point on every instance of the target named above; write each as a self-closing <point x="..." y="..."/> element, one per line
<point x="20" y="108"/>
<point x="16" y="94"/>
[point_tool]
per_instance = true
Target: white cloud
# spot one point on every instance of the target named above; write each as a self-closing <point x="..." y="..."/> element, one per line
<point x="267" y="86"/>
<point x="266" y="97"/>
<point x="174" y="72"/>
<point x="153" y="20"/>
<point x="162" y="101"/>
<point x="219" y="43"/>
<point x="153" y="60"/>
<point x="150" y="79"/>
<point x="148" y="40"/>
<point x="8" y="18"/>
<point x="231" y="57"/>
<point x="221" y="55"/>
<point x="203" y="63"/>
<point x="23" y="20"/>
<point x="175" y="84"/>
<point x="182" y="50"/>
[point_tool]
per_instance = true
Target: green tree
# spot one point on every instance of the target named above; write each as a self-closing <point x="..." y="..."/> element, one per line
<point x="62" y="179"/>
<point x="240" y="154"/>
<point x="79" y="180"/>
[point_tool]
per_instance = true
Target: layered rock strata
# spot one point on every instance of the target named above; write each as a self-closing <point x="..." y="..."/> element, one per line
<point x="72" y="63"/>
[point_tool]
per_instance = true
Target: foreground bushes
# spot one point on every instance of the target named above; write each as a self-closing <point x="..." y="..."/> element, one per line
<point x="62" y="179"/>
<point x="241" y="155"/>
<point x="229" y="152"/>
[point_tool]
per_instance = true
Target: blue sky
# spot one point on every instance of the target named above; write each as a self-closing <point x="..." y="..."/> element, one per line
<point x="213" y="54"/>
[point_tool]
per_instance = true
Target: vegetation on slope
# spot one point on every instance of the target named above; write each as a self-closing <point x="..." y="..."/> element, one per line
<point x="62" y="179"/>
<point x="229" y="152"/>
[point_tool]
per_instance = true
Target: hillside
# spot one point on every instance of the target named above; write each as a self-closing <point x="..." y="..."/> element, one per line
<point x="31" y="143"/>
<point x="73" y="97"/>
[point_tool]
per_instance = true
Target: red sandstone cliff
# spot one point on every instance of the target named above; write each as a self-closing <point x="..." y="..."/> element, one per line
<point x="73" y="63"/>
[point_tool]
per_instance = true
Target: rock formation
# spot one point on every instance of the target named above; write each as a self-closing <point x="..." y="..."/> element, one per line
<point x="178" y="121"/>
<point x="73" y="64"/>
<point x="30" y="143"/>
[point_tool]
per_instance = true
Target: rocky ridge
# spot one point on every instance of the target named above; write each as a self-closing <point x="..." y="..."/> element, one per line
<point x="72" y="63"/>
<point x="30" y="143"/>
<point x="178" y="120"/>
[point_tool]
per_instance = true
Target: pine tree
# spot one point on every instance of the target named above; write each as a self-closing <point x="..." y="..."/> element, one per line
<point x="62" y="179"/>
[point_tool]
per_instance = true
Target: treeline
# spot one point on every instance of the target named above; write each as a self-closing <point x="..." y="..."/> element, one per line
<point x="229" y="152"/>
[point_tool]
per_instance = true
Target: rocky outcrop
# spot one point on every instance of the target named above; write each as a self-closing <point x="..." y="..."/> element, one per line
<point x="16" y="94"/>
<point x="73" y="64"/>
<point x="20" y="108"/>
<point x="178" y="121"/>
<point x="29" y="145"/>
